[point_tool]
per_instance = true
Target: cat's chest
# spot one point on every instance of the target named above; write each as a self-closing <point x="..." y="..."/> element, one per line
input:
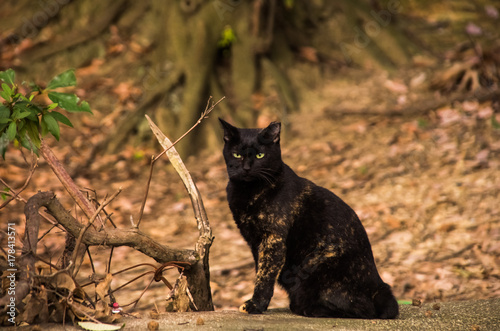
<point x="251" y="203"/>
<point x="254" y="212"/>
<point x="270" y="210"/>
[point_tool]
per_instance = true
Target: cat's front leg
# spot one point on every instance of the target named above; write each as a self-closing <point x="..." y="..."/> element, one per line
<point x="270" y="262"/>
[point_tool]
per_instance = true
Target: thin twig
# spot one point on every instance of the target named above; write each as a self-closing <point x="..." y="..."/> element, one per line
<point x="34" y="164"/>
<point x="135" y="302"/>
<point x="47" y="262"/>
<point x="91" y="260"/>
<point x="91" y="221"/>
<point x="204" y="115"/>
<point x="108" y="266"/>
<point x="123" y="270"/>
<point x="47" y="232"/>
<point x="191" y="297"/>
<point x="66" y="301"/>
<point x="132" y="280"/>
<point x="143" y="205"/>
<point x="96" y="203"/>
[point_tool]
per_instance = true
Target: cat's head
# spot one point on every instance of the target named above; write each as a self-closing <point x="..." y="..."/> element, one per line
<point x="252" y="154"/>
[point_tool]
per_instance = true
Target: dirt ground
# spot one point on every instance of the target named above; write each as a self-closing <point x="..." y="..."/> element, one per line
<point x="472" y="315"/>
<point x="425" y="185"/>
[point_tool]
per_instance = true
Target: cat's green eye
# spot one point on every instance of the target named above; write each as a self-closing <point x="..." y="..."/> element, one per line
<point x="260" y="155"/>
<point x="236" y="155"/>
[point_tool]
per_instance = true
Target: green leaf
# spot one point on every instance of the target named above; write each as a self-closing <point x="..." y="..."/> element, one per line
<point x="8" y="76"/>
<point x="67" y="78"/>
<point x="5" y="95"/>
<point x="22" y="97"/>
<point x="4" y="143"/>
<point x="20" y="112"/>
<point x="6" y="88"/>
<point x="4" y="111"/>
<point x="29" y="144"/>
<point x="404" y="302"/>
<point x="5" y="190"/>
<point x="34" y="111"/>
<point x="61" y="118"/>
<point x="85" y="107"/>
<point x="6" y="92"/>
<point x="33" y="135"/>
<point x="52" y="125"/>
<point x="69" y="102"/>
<point x="20" y="127"/>
<point x="16" y="97"/>
<point x="12" y="131"/>
<point x="44" y="127"/>
<point x="52" y="106"/>
<point x="3" y="126"/>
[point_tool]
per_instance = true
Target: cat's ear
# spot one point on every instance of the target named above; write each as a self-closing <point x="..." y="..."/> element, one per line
<point x="230" y="132"/>
<point x="271" y="134"/>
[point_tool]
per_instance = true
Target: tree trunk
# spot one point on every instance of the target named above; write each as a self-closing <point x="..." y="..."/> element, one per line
<point x="181" y="39"/>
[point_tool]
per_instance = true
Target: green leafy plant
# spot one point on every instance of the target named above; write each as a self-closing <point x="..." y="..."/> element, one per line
<point x="24" y="121"/>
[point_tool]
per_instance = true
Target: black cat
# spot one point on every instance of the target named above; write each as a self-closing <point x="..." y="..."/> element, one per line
<point x="300" y="234"/>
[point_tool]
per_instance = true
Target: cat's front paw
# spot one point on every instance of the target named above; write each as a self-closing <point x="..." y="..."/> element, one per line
<point x="250" y="308"/>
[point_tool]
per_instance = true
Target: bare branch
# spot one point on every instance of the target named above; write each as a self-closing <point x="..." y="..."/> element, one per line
<point x="66" y="180"/>
<point x="200" y="274"/>
<point x="204" y="115"/>
<point x="113" y="237"/>
<point x="143" y="205"/>
<point x="91" y="221"/>
<point x="175" y="159"/>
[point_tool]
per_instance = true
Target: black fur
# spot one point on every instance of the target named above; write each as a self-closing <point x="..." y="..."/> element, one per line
<point x="300" y="234"/>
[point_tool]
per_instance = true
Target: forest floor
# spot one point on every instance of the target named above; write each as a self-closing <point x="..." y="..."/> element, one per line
<point x="425" y="185"/>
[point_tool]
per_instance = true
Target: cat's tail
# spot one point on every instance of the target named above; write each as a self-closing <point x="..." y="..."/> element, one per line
<point x="385" y="303"/>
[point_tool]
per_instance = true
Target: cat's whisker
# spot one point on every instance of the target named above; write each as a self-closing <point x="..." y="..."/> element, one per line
<point x="267" y="174"/>
<point x="266" y="179"/>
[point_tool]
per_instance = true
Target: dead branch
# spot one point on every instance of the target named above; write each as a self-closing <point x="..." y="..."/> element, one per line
<point x="28" y="257"/>
<point x="204" y="115"/>
<point x="114" y="237"/>
<point x="91" y="221"/>
<point x="196" y="201"/>
<point x="66" y="180"/>
<point x="198" y="274"/>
